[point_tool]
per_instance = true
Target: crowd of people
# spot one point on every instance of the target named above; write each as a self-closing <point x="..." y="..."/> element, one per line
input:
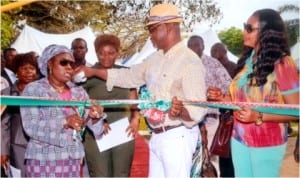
<point x="46" y="141"/>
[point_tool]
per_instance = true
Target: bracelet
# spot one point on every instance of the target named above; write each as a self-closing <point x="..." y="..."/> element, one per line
<point x="259" y="119"/>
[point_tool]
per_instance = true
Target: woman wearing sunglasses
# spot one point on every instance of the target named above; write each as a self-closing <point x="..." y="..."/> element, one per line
<point x="265" y="74"/>
<point x="54" y="148"/>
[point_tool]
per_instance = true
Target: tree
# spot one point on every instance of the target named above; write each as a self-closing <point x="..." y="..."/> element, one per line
<point x="65" y="16"/>
<point x="292" y="24"/>
<point x="8" y="23"/>
<point x="125" y="19"/>
<point x="233" y="39"/>
<point x="133" y="13"/>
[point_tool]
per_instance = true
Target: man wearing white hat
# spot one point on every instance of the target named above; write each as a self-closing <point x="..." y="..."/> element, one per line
<point x="171" y="73"/>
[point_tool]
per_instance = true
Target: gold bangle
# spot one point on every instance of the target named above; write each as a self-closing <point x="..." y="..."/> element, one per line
<point x="259" y="119"/>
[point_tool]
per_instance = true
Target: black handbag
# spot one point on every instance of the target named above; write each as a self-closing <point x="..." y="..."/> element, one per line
<point x="221" y="143"/>
<point x="207" y="169"/>
<point x="202" y="166"/>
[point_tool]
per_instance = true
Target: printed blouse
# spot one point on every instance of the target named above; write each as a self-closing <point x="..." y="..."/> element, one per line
<point x="283" y="80"/>
<point x="49" y="140"/>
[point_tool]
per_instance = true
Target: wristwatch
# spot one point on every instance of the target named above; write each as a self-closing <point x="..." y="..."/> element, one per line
<point x="259" y="120"/>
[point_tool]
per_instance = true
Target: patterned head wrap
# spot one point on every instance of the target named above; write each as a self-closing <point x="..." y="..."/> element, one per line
<point x="48" y="53"/>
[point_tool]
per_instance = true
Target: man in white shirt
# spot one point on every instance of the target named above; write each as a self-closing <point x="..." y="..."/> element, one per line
<point x="171" y="73"/>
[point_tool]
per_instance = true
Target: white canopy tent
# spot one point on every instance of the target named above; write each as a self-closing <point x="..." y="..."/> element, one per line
<point x="209" y="36"/>
<point x="138" y="57"/>
<point x="31" y="39"/>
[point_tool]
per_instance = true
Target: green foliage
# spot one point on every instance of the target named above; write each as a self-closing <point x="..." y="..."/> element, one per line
<point x="292" y="23"/>
<point x="293" y="31"/>
<point x="6" y="33"/>
<point x="7" y="25"/>
<point x="134" y="13"/>
<point x="64" y="16"/>
<point x="288" y="8"/>
<point x="233" y="39"/>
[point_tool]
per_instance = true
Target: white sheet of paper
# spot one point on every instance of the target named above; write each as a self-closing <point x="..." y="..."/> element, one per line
<point x="116" y="136"/>
<point x="15" y="172"/>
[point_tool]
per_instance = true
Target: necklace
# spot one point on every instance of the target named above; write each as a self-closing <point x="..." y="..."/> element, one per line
<point x="59" y="89"/>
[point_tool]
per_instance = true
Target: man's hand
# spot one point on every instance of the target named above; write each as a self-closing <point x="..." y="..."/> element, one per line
<point x="176" y="107"/>
<point x="133" y="128"/>
<point x="88" y="72"/>
<point x="106" y="128"/>
<point x="92" y="72"/>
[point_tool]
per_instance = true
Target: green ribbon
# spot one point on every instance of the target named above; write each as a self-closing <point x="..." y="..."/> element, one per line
<point x="31" y="101"/>
<point x="145" y="95"/>
<point x="282" y="109"/>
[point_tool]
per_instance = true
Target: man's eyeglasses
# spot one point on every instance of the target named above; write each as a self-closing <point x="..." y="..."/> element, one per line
<point x="249" y="28"/>
<point x="65" y="62"/>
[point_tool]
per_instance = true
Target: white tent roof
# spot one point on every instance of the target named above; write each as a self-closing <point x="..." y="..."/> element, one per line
<point x="209" y="36"/>
<point x="138" y="57"/>
<point x="31" y="39"/>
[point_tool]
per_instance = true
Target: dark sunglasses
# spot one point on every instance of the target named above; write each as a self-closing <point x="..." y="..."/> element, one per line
<point x="249" y="28"/>
<point x="65" y="62"/>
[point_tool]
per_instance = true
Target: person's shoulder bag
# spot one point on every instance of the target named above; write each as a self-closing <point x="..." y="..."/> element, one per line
<point x="221" y="142"/>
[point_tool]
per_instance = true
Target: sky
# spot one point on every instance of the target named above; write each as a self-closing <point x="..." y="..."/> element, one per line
<point x="236" y="12"/>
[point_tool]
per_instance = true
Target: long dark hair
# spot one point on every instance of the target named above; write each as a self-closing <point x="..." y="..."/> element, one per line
<point x="273" y="45"/>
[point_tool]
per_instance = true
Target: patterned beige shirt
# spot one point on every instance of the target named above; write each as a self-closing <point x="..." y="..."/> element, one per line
<point x="179" y="72"/>
<point x="216" y="76"/>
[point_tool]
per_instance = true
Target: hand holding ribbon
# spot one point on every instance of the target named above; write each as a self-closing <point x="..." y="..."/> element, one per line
<point x="176" y="108"/>
<point x="96" y="111"/>
<point x="74" y="121"/>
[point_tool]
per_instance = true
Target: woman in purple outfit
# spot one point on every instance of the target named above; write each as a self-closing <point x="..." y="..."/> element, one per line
<point x="53" y="149"/>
